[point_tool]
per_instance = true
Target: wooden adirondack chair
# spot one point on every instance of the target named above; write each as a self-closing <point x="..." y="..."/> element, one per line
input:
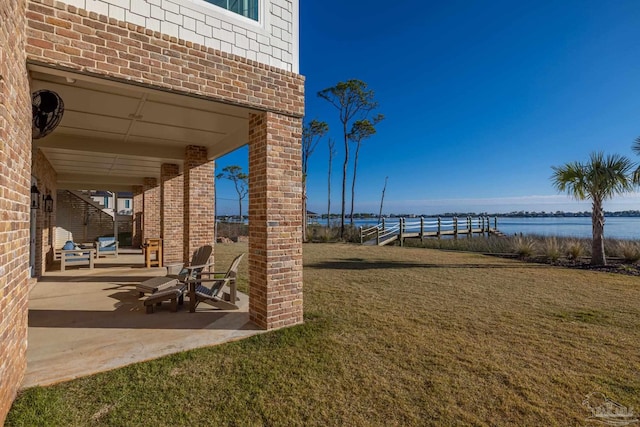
<point x="199" y="260"/>
<point x="213" y="294"/>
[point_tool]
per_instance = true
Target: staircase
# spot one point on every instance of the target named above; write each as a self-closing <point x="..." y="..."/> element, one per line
<point x="85" y="196"/>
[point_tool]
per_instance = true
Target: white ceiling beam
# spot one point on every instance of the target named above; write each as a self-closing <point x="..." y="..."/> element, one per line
<point x="97" y="182"/>
<point x="105" y="187"/>
<point x="108" y="146"/>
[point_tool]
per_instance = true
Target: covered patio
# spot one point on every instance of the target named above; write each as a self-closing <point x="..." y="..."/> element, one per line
<point x="161" y="146"/>
<point x="158" y="145"/>
<point x="83" y="321"/>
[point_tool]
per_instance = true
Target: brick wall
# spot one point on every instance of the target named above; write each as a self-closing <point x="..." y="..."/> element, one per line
<point x="151" y="209"/>
<point x="272" y="41"/>
<point x="15" y="167"/>
<point x="199" y="195"/>
<point x="76" y="39"/>
<point x="275" y="226"/>
<point x="171" y="212"/>
<point x="136" y="226"/>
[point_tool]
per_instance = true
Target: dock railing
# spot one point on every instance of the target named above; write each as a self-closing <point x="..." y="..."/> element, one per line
<point x="403" y="228"/>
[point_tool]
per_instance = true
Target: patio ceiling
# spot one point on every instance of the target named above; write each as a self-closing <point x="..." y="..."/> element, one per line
<point x="113" y="135"/>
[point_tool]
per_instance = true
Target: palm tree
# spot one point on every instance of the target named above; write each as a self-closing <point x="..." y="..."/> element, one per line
<point x="636" y="149"/>
<point x="597" y="180"/>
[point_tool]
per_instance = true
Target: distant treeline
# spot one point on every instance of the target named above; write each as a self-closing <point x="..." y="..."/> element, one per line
<point x="525" y="214"/>
<point x="632" y="213"/>
<point x="514" y="214"/>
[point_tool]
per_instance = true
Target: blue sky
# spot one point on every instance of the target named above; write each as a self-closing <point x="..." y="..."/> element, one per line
<point x="480" y="98"/>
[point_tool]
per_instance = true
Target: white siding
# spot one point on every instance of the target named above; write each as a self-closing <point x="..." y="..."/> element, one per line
<point x="273" y="40"/>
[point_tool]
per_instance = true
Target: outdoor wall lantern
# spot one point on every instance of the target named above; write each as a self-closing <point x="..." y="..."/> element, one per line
<point x="35" y="197"/>
<point x="48" y="203"/>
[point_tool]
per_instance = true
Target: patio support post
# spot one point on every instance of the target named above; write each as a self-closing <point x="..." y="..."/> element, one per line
<point x="275" y="220"/>
<point x="151" y="209"/>
<point x="171" y="212"/>
<point x="115" y="215"/>
<point x="138" y="203"/>
<point x="199" y="194"/>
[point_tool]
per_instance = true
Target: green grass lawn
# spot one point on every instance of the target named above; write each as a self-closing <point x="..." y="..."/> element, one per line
<point x="392" y="336"/>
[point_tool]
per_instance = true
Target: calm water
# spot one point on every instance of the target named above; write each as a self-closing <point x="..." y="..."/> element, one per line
<point x="615" y="227"/>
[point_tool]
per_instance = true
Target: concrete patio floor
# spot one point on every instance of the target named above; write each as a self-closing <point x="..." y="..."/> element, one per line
<point x="84" y="321"/>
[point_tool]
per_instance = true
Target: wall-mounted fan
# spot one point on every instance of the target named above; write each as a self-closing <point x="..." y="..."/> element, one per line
<point x="47" y="109"/>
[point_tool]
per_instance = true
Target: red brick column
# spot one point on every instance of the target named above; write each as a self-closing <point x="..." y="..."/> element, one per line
<point x="275" y="220"/>
<point x="151" y="214"/>
<point x="199" y="193"/>
<point x="15" y="184"/>
<point x="138" y="209"/>
<point x="171" y="212"/>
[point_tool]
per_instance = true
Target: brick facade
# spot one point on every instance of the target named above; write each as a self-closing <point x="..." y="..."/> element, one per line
<point x="275" y="220"/>
<point x="15" y="184"/>
<point x="171" y="213"/>
<point x="271" y="41"/>
<point x="199" y="195"/>
<point x="76" y="39"/>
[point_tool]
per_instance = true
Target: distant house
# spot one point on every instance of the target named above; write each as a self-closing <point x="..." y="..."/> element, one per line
<point x="152" y="92"/>
<point x="124" y="200"/>
<point x="312" y="217"/>
<point x="83" y="216"/>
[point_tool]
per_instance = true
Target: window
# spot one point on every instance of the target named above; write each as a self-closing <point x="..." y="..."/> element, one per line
<point x="248" y="8"/>
<point x="127" y="204"/>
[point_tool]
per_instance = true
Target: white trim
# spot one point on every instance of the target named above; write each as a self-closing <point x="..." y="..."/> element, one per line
<point x="295" y="43"/>
<point x="207" y="8"/>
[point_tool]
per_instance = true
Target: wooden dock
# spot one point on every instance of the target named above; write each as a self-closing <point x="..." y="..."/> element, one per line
<point x="420" y="228"/>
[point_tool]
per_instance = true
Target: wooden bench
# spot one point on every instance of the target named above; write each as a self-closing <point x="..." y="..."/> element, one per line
<point x="174" y="294"/>
<point x="57" y="253"/>
<point x="76" y="257"/>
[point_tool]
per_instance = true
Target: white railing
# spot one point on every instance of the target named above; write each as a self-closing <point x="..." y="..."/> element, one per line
<point x="421" y="227"/>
